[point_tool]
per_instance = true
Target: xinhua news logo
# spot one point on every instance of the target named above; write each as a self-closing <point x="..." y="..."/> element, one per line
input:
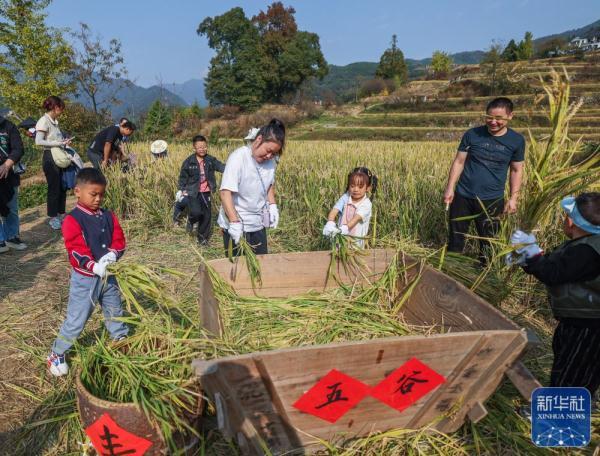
<point x="561" y="417"/>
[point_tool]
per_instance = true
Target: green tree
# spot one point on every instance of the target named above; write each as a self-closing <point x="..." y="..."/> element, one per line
<point x="511" y="52"/>
<point x="294" y="56"/>
<point x="491" y="64"/>
<point x="195" y="110"/>
<point x="158" y="120"/>
<point x="34" y="59"/>
<point x="392" y="64"/>
<point x="239" y="70"/>
<point x="441" y="64"/>
<point x="98" y="71"/>
<point x="525" y="51"/>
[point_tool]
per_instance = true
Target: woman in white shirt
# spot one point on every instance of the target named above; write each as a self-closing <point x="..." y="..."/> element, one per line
<point x="248" y="204"/>
<point x="48" y="135"/>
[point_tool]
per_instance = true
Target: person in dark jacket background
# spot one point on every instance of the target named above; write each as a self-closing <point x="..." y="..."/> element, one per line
<point x="571" y="274"/>
<point x="11" y="152"/>
<point x="196" y="183"/>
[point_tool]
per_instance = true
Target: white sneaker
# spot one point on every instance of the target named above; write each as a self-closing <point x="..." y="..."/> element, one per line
<point x="16" y="243"/>
<point x="55" y="223"/>
<point x="3" y="247"/>
<point x="57" y="364"/>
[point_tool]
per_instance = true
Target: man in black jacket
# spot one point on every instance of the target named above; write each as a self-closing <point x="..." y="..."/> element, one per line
<point x="11" y="152"/>
<point x="196" y="183"/>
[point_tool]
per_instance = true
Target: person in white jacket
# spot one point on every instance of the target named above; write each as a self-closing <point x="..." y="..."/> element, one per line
<point x="48" y="135"/>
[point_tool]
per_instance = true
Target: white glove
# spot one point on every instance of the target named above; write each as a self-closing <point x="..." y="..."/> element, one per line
<point x="530" y="249"/>
<point x="100" y="269"/>
<point x="330" y="229"/>
<point x="344" y="230"/>
<point x="109" y="258"/>
<point x="273" y="215"/>
<point x="179" y="196"/>
<point x="236" y="230"/>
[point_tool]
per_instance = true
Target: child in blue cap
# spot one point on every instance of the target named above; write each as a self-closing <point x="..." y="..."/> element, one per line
<point x="571" y="274"/>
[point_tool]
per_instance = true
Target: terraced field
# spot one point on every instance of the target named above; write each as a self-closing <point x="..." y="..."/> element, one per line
<point x="421" y="111"/>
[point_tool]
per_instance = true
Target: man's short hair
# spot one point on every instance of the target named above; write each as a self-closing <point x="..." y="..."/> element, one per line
<point x="90" y="176"/>
<point x="128" y="124"/>
<point x="500" y="102"/>
<point x="198" y="138"/>
<point x="588" y="205"/>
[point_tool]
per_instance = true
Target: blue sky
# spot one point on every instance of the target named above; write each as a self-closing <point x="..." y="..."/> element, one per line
<point x="160" y="41"/>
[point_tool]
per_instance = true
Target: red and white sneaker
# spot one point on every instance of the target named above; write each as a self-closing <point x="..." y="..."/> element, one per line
<point x="57" y="365"/>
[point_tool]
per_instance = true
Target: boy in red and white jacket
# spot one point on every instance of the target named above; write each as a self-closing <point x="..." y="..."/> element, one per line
<point x="93" y="239"/>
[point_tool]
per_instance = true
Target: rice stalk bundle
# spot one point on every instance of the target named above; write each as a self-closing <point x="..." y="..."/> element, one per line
<point x="344" y="253"/>
<point x="553" y="172"/>
<point x="152" y="366"/>
<point x="246" y="250"/>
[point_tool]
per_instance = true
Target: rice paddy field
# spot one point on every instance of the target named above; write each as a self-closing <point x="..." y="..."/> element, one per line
<point x="158" y="278"/>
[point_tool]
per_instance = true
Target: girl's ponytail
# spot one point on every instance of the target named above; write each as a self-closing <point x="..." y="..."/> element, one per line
<point x="273" y="131"/>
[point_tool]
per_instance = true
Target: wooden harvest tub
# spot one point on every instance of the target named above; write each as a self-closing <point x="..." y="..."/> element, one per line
<point x="258" y="396"/>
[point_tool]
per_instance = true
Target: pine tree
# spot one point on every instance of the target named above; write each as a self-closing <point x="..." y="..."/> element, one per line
<point x="525" y="51"/>
<point x="511" y="52"/>
<point x="157" y="124"/>
<point x="392" y="64"/>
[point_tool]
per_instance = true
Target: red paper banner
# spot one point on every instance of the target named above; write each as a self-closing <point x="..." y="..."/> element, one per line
<point x="332" y="396"/>
<point x="407" y="384"/>
<point x="111" y="440"/>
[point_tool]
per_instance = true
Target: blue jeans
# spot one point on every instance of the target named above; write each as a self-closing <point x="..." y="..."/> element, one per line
<point x="9" y="225"/>
<point x="83" y="294"/>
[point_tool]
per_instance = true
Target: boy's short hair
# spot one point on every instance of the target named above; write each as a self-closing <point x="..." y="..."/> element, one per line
<point x="588" y="205"/>
<point x="90" y="176"/>
<point x="500" y="102"/>
<point x="198" y="138"/>
<point x="128" y="124"/>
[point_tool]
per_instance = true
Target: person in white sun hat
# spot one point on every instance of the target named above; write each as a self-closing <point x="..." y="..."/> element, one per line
<point x="159" y="149"/>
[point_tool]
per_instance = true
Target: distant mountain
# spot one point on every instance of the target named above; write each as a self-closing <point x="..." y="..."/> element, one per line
<point x="191" y="91"/>
<point x="587" y="31"/>
<point x="344" y="81"/>
<point x="135" y="100"/>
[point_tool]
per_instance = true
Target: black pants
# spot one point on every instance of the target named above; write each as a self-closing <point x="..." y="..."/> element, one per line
<point x="57" y="196"/>
<point x="576" y="357"/>
<point x="179" y="207"/>
<point x="95" y="158"/>
<point x="485" y="218"/>
<point x="257" y="239"/>
<point x="200" y="213"/>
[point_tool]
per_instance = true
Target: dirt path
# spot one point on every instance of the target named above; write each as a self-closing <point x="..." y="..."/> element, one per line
<point x="33" y="296"/>
<point x="33" y="288"/>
